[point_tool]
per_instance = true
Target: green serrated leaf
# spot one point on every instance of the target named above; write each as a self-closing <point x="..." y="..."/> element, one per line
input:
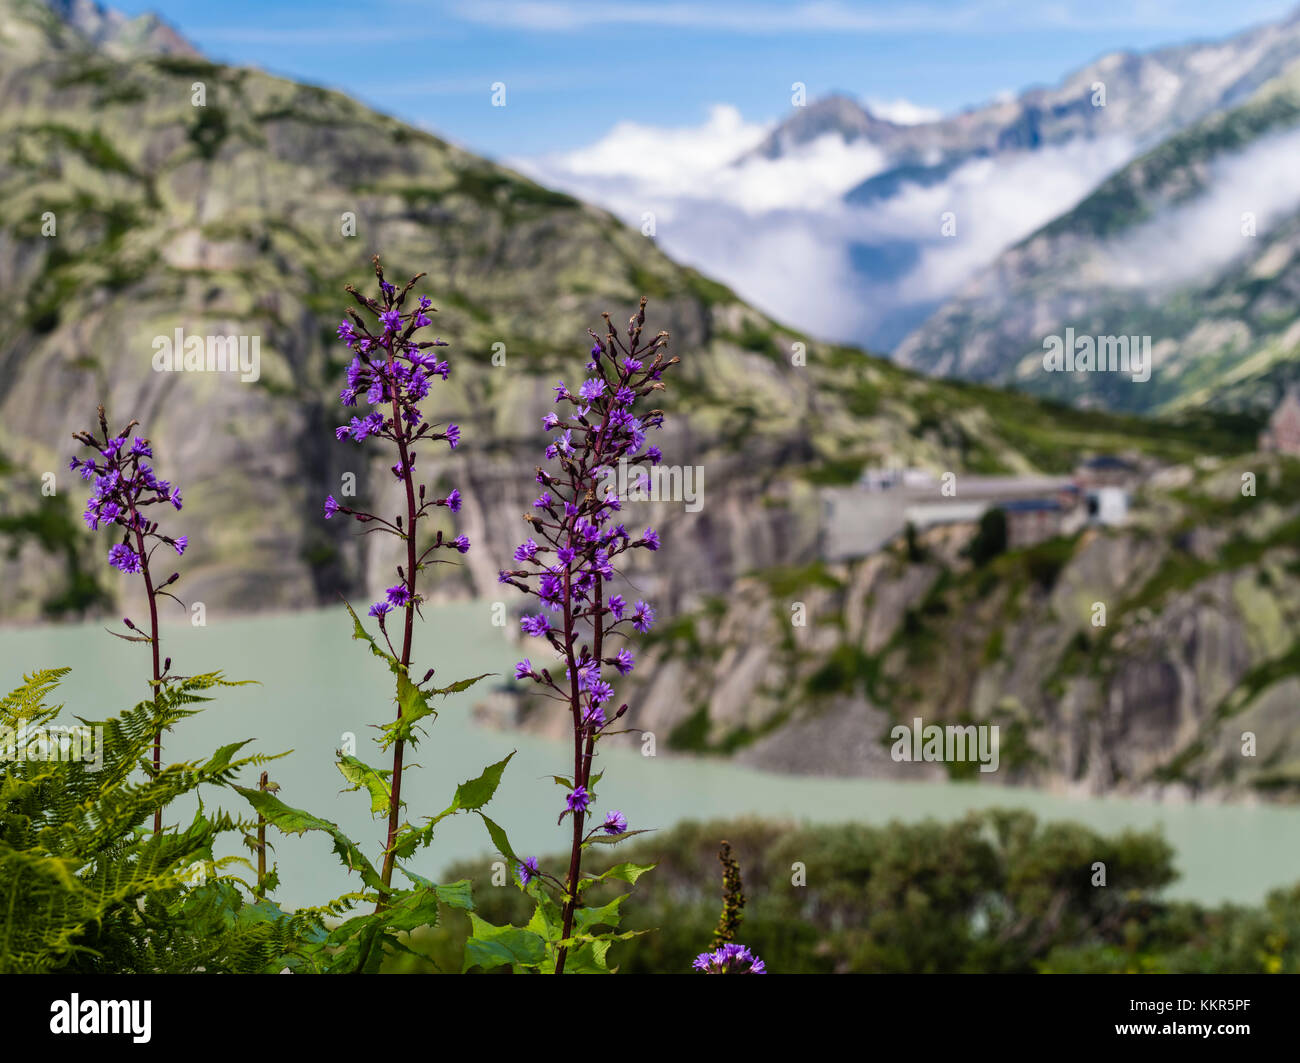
<point x="359" y="632"/>
<point x="499" y="839"/>
<point x="613" y="839"/>
<point x="360" y="774"/>
<point x="626" y="872"/>
<point x="476" y="793"/>
<point x="470" y="797"/>
<point x="491" y="946"/>
<point x="461" y="684"/>
<point x="606" y="915"/>
<point x="296" y="821"/>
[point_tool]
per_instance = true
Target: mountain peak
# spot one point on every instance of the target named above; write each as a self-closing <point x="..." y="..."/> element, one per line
<point x="837" y="114"/>
<point x="61" y="24"/>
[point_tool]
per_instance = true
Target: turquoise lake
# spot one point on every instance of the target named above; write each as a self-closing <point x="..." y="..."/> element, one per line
<point x="316" y="684"/>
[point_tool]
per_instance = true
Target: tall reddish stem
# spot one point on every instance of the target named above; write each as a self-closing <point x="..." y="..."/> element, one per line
<point x="157" y="668"/>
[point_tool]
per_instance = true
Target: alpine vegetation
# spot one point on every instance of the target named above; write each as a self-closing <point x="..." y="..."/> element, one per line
<point x="175" y="905"/>
<point x="125" y="486"/>
<point x="392" y="370"/>
<point x="574" y="541"/>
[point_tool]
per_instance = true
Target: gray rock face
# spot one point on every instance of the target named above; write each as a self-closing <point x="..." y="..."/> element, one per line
<point x="1122" y="660"/>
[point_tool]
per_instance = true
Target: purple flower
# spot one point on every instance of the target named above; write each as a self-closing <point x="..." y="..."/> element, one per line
<point x="398" y="596"/>
<point x="461" y="542"/>
<point x="331" y="506"/>
<point x="391" y="319"/>
<point x="379" y="609"/>
<point x="579" y="799"/>
<point x="124" y="558"/>
<point x="453" y="501"/>
<point x="526" y="551"/>
<point x="615" y="822"/>
<point x="535" y="625"/>
<point x="524" y="669"/>
<point x="651" y="539"/>
<point x="528" y="870"/>
<point x="181" y="543"/>
<point x="453" y="435"/>
<point x="591" y="390"/>
<point x="643" y="617"/>
<point x="730" y="959"/>
<point x="624" y="661"/>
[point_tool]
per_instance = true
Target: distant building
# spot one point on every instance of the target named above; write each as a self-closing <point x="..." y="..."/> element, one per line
<point x="1283" y="432"/>
<point x="1106" y="470"/>
<point x="1032" y="520"/>
<point x="1106" y="483"/>
<point x="1107" y="505"/>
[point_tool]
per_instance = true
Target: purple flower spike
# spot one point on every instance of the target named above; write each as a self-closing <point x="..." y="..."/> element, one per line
<point x="574" y="549"/>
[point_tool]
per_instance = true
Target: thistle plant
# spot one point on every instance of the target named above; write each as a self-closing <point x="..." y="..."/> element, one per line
<point x="393" y="370"/>
<point x="566" y="563"/>
<point x="125" y="487"/>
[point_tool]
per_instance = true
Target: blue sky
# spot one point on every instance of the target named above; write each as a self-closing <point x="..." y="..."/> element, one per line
<point x="573" y="68"/>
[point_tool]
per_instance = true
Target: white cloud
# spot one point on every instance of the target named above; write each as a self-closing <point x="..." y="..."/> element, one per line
<point x="779" y="232"/>
<point x="903" y="112"/>
<point x="1193" y="240"/>
<point x="997" y="202"/>
<point x="636" y="167"/>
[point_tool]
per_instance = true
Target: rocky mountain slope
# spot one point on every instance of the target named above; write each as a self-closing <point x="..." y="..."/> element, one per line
<point x="229" y="219"/>
<point x="1133" y="659"/>
<point x="1196" y="244"/>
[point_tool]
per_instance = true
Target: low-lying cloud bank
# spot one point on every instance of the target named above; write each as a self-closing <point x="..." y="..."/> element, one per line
<point x="781" y="234"/>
